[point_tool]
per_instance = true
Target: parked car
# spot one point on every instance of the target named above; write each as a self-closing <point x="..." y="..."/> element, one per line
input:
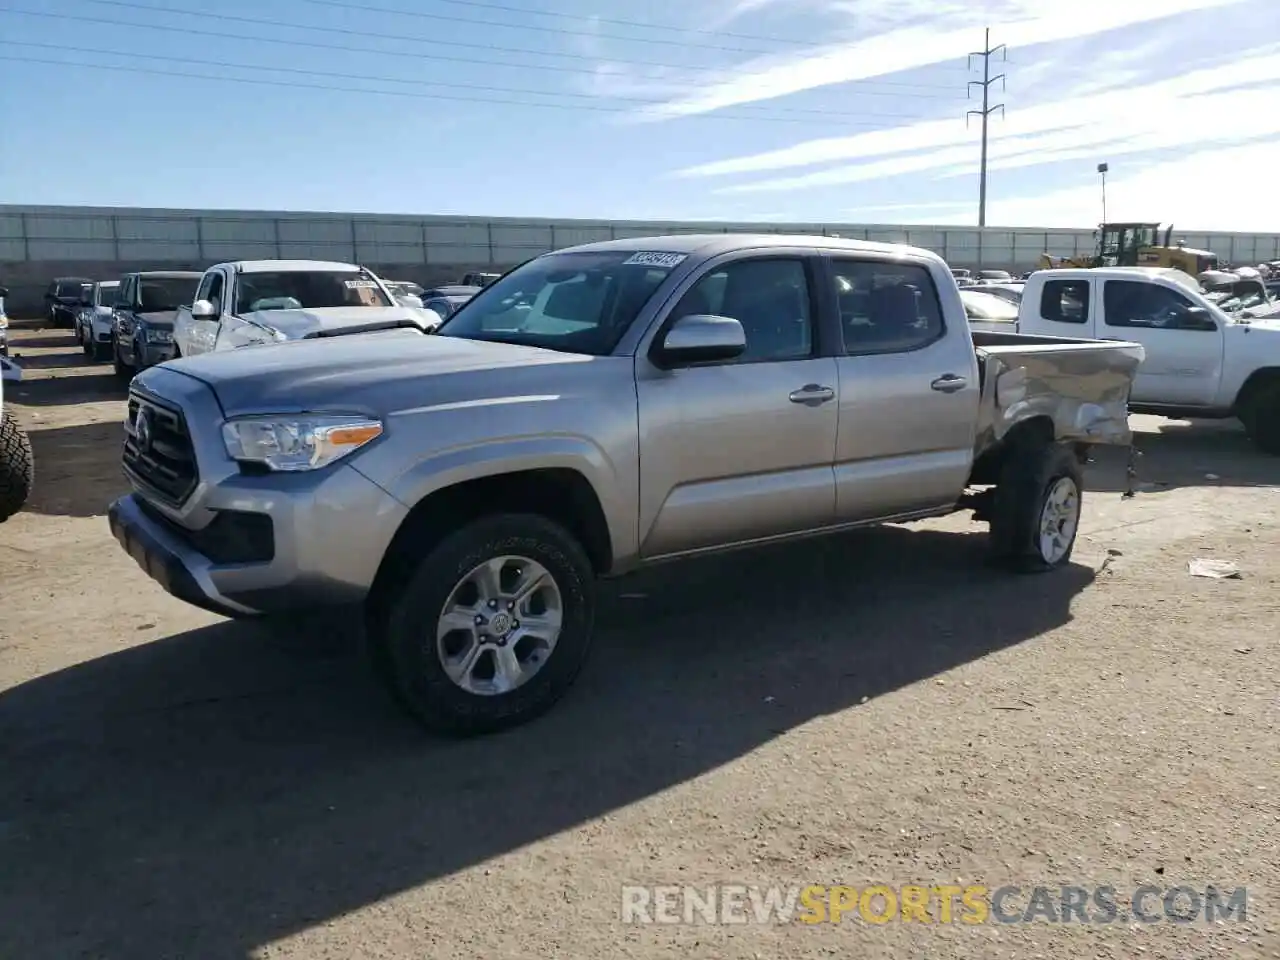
<point x="255" y="302"/>
<point x="406" y="288"/>
<point x="4" y="324"/>
<point x="1011" y="291"/>
<point x="987" y="312"/>
<point x="995" y="276"/>
<point x="95" y="321"/>
<point x="142" y="329"/>
<point x="478" y="279"/>
<point x="446" y="300"/>
<point x="597" y="410"/>
<point x="62" y="300"/>
<point x="17" y="465"/>
<point x="1201" y="361"/>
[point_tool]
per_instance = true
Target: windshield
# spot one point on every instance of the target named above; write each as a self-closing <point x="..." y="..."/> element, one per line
<point x="983" y="306"/>
<point x="307" y="290"/>
<point x="573" y="302"/>
<point x="107" y="294"/>
<point x="156" y="294"/>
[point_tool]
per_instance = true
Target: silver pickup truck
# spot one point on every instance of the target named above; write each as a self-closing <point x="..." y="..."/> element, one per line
<point x="598" y="409"/>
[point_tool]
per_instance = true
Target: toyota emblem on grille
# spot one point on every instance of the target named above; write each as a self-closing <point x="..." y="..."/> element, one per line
<point x="142" y="430"/>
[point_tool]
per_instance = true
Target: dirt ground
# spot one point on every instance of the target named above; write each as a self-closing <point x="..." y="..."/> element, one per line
<point x="877" y="708"/>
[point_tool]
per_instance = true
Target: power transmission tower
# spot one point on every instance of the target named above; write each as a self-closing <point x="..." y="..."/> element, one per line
<point x="988" y="108"/>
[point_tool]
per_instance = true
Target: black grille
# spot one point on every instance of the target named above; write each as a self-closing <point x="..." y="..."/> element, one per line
<point x="163" y="458"/>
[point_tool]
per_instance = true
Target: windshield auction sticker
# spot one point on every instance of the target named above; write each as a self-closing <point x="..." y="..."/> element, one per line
<point x="653" y="258"/>
<point x="361" y="285"/>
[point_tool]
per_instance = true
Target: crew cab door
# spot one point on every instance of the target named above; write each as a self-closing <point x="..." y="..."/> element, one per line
<point x="740" y="450"/>
<point x="202" y="335"/>
<point x="1183" y="365"/>
<point x="909" y="390"/>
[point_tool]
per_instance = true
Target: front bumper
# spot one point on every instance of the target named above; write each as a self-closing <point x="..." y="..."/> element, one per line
<point x="151" y="354"/>
<point x="246" y="544"/>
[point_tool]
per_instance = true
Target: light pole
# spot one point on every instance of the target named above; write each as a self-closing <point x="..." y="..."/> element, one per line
<point x="1102" y="169"/>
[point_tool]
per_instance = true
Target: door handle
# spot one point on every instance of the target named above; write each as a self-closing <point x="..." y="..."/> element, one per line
<point x="812" y="394"/>
<point x="948" y="383"/>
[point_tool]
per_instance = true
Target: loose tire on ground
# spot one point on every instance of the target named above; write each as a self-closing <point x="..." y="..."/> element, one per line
<point x="403" y="633"/>
<point x="1261" y="418"/>
<point x="1034" y="474"/>
<point x="17" y="466"/>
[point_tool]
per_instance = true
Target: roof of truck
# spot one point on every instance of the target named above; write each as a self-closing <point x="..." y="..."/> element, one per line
<point x="1172" y="274"/>
<point x="289" y="266"/>
<point x="713" y="244"/>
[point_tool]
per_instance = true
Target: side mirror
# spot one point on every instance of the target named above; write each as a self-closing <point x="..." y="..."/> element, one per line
<point x="4" y="291"/>
<point x="702" y="338"/>
<point x="203" y="310"/>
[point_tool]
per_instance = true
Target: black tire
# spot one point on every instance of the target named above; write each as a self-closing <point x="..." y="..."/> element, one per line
<point x="17" y="466"/>
<point x="98" y="351"/>
<point x="1030" y="473"/>
<point x="122" y="369"/>
<point x="402" y="633"/>
<point x="1261" y="418"/>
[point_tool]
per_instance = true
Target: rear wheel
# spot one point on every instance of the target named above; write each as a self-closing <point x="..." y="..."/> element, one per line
<point x="1261" y="418"/>
<point x="491" y="629"/>
<point x="1035" y="515"/>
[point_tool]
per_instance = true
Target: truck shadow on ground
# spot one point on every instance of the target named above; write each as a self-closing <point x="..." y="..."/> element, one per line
<point x="1185" y="453"/>
<point x="214" y="791"/>
<point x="86" y="385"/>
<point x="78" y="470"/>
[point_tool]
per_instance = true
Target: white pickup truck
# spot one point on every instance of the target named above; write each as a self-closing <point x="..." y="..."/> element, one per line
<point x="1201" y="360"/>
<point x="252" y="302"/>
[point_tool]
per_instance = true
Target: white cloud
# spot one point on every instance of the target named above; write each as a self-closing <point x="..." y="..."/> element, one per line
<point x="1210" y="190"/>
<point x="1194" y="108"/>
<point x="952" y="29"/>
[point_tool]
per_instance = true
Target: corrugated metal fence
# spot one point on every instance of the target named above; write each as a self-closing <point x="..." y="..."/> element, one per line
<point x="35" y="241"/>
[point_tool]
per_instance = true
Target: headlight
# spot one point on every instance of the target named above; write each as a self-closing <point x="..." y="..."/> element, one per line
<point x="159" y="336"/>
<point x="297" y="443"/>
<point x="4" y="321"/>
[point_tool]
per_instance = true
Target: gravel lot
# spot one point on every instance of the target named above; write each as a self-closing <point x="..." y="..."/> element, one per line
<point x="877" y="708"/>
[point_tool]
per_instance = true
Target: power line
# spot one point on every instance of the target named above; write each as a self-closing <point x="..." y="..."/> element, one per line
<point x="375" y="78"/>
<point x="988" y="108"/>
<point x="508" y="8"/>
<point x="595" y="108"/>
<point x="416" y="55"/>
<point x="537" y="28"/>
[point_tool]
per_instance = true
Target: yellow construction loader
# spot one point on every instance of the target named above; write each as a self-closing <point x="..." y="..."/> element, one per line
<point x="1138" y="245"/>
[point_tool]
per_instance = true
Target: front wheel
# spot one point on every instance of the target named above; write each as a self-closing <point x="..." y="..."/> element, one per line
<point x="17" y="466"/>
<point x="1261" y="418"/>
<point x="1036" y="512"/>
<point x="491" y="629"/>
<point x="122" y="369"/>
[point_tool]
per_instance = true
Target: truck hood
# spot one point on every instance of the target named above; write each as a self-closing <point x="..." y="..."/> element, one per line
<point x="298" y="324"/>
<point x="378" y="375"/>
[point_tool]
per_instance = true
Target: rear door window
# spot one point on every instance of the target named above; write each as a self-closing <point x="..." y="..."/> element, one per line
<point x="1065" y="301"/>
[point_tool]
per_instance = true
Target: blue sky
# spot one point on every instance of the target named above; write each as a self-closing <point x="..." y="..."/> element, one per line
<point x="785" y="110"/>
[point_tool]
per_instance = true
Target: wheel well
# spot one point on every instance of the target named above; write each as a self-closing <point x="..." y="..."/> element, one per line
<point x="559" y="494"/>
<point x="1257" y="381"/>
<point x="1033" y="430"/>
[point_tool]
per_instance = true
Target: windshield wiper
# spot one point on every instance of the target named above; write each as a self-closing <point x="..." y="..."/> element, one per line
<point x="403" y="323"/>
